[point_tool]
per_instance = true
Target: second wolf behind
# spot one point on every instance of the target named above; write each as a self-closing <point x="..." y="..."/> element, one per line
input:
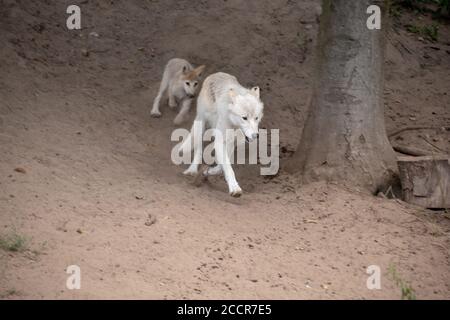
<point x="181" y="82"/>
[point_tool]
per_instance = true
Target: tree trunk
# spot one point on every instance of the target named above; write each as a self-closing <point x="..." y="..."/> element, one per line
<point x="344" y="138"/>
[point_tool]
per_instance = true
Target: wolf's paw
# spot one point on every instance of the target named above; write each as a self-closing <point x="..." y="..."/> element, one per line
<point x="236" y="192"/>
<point x="201" y="176"/>
<point x="155" y="114"/>
<point x="190" y="172"/>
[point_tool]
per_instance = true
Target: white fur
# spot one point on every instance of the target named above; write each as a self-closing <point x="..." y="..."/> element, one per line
<point x="180" y="87"/>
<point x="223" y="104"/>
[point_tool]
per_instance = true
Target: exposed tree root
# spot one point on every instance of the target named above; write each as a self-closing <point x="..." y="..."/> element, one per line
<point x="413" y="151"/>
<point x="415" y="128"/>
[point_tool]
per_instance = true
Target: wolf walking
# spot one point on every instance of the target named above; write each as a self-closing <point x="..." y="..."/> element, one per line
<point x="223" y="104"/>
<point x="181" y="81"/>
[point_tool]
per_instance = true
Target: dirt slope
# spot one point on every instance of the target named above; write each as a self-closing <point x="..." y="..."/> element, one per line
<point x="74" y="114"/>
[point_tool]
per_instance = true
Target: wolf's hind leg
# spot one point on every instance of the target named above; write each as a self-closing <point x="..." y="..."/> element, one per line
<point x="213" y="171"/>
<point x="217" y="169"/>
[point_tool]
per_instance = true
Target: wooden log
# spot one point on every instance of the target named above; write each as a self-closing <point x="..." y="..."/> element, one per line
<point x="426" y="180"/>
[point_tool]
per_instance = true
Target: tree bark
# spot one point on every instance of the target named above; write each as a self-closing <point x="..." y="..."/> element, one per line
<point x="344" y="138"/>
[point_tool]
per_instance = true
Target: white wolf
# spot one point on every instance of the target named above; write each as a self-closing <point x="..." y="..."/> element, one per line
<point x="181" y="81"/>
<point x="223" y="104"/>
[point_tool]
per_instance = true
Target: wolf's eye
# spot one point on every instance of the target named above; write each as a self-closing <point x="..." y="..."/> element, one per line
<point x="256" y="118"/>
<point x="195" y="84"/>
<point x="188" y="83"/>
<point x="245" y="118"/>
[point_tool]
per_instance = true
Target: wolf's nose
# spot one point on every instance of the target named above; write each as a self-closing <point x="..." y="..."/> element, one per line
<point x="255" y="136"/>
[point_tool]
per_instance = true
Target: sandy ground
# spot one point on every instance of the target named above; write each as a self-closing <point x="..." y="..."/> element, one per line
<point x="74" y="114"/>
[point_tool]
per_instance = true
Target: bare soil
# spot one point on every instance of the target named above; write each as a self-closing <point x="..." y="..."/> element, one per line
<point x="95" y="185"/>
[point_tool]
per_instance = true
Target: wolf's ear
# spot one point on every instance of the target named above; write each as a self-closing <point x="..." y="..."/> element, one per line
<point x="185" y="69"/>
<point x="255" y="91"/>
<point x="199" y="70"/>
<point x="232" y="95"/>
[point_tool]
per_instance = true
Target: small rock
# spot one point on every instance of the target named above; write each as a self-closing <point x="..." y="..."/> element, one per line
<point x="150" y="221"/>
<point x="20" y="170"/>
<point x="308" y="284"/>
<point x="39" y="27"/>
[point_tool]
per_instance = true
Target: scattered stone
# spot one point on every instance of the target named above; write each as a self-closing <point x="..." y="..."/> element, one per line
<point x="151" y="220"/>
<point x="20" y="170"/>
<point x="39" y="27"/>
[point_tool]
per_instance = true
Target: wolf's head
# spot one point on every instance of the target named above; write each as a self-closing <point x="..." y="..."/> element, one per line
<point x="191" y="80"/>
<point x="246" y="111"/>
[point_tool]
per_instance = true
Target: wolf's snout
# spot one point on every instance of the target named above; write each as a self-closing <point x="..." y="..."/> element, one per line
<point x="254" y="136"/>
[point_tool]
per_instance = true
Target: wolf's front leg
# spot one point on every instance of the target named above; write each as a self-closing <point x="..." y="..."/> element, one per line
<point x="184" y="110"/>
<point x="172" y="97"/>
<point x="196" y="138"/>
<point x="155" y="109"/>
<point x="162" y="88"/>
<point x="172" y="101"/>
<point x="222" y="157"/>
